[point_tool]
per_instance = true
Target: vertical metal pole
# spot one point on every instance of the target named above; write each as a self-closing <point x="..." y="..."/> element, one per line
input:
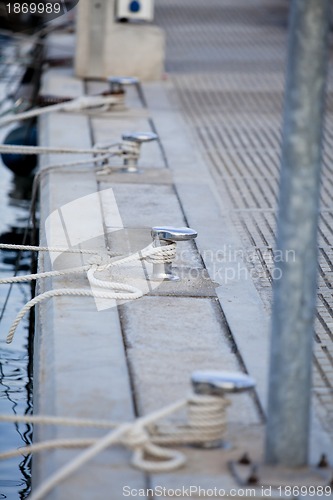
<point x="287" y="437"/>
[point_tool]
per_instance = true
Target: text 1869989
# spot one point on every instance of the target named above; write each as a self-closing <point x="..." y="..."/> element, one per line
<point x="34" y="8"/>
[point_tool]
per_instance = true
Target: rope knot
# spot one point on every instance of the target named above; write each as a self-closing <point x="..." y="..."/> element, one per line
<point x="99" y="262"/>
<point x="136" y="437"/>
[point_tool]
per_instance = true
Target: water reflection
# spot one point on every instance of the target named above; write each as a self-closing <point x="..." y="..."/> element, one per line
<point x="15" y="367"/>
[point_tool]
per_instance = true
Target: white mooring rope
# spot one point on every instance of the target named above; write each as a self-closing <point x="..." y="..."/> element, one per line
<point x="79" y="104"/>
<point x="31" y="248"/>
<point x="132" y="293"/>
<point x="206" y="423"/>
<point x="33" y="150"/>
<point x="111" y="289"/>
<point x="126" y="149"/>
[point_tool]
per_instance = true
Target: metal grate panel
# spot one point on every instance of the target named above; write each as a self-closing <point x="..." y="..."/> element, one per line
<point x="226" y="60"/>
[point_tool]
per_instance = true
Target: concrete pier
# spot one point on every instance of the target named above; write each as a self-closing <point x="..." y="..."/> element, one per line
<point x="98" y="359"/>
<point x="139" y="356"/>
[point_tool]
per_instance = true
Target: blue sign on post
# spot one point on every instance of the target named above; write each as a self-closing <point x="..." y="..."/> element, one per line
<point x="134" y="6"/>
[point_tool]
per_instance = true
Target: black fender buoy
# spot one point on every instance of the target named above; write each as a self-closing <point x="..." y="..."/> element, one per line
<point x="24" y="135"/>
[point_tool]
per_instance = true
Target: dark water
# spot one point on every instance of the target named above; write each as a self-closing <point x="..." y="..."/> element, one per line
<point x="15" y="383"/>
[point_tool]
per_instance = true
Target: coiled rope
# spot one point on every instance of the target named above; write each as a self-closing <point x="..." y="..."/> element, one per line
<point x="206" y="423"/>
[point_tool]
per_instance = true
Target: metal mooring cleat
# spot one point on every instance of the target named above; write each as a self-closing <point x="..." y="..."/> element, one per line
<point x="218" y="383"/>
<point x="117" y="83"/>
<point x="131" y="148"/>
<point x="163" y="236"/>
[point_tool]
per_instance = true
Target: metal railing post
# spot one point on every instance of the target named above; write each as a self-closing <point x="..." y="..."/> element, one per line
<point x="287" y="436"/>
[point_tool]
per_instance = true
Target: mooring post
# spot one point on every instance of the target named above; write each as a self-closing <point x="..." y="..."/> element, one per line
<point x="107" y="47"/>
<point x="288" y="426"/>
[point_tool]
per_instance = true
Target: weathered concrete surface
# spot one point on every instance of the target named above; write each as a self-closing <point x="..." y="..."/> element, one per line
<point x="168" y="338"/>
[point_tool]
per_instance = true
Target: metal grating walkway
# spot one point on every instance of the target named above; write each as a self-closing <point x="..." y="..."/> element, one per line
<point x="226" y="61"/>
